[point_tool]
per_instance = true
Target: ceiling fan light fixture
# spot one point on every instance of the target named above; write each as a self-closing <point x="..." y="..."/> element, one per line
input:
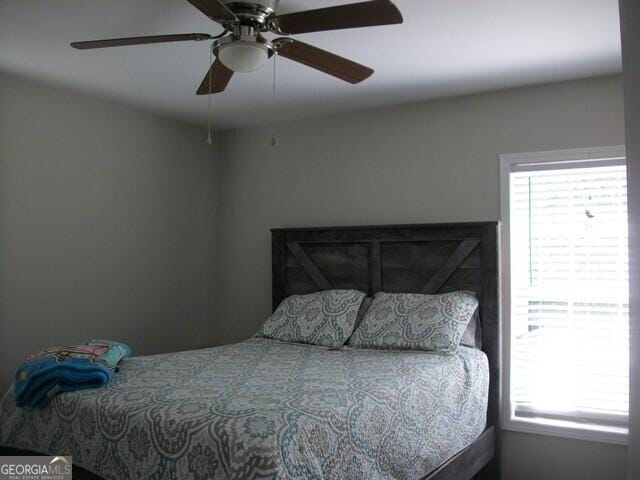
<point x="243" y="57"/>
<point x="241" y="46"/>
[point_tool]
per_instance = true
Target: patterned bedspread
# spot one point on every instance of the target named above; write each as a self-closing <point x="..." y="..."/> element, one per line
<point x="262" y="408"/>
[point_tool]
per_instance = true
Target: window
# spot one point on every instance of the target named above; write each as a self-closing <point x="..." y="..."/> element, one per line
<point x="566" y="293"/>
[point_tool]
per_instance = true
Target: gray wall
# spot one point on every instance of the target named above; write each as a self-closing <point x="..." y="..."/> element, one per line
<point x="630" y="19"/>
<point x="429" y="162"/>
<point x="108" y="225"/>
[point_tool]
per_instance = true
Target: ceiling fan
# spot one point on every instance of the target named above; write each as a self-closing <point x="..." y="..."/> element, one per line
<point x="241" y="47"/>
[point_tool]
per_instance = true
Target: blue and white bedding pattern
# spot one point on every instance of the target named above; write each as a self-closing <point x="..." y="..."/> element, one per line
<point x="265" y="409"/>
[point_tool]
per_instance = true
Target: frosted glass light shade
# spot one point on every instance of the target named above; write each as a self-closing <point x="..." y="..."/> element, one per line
<point x="243" y="57"/>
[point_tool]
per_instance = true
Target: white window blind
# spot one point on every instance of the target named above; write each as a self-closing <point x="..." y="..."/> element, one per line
<point x="569" y="358"/>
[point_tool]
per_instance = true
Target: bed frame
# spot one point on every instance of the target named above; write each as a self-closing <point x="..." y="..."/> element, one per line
<point x="411" y="259"/>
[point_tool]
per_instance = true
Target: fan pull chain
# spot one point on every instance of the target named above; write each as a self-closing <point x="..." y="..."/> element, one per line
<point x="274" y="138"/>
<point x="209" y="133"/>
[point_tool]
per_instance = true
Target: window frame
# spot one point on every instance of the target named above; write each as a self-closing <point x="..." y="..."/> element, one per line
<point x="544" y="160"/>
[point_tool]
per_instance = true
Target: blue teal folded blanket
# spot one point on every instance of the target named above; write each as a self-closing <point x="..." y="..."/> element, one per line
<point x="65" y="369"/>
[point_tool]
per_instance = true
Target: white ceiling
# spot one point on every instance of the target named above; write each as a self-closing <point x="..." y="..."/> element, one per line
<point x="444" y="48"/>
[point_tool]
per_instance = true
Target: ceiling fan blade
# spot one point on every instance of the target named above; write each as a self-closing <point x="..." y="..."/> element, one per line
<point x="355" y="15"/>
<point x="216" y="80"/>
<point x="322" y="60"/>
<point x="119" y="42"/>
<point x="214" y="9"/>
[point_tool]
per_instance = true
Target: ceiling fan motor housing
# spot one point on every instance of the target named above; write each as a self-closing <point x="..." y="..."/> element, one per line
<point x="256" y="12"/>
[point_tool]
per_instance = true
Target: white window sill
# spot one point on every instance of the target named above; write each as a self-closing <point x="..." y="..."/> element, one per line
<point x="567" y="429"/>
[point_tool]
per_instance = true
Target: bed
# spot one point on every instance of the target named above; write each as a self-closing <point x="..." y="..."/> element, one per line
<point x="268" y="409"/>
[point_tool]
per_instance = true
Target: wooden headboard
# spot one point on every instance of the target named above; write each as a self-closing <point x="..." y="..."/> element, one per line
<point x="402" y="258"/>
